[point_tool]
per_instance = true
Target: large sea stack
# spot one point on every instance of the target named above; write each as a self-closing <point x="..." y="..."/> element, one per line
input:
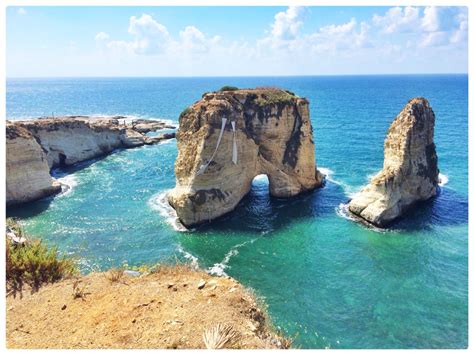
<point x="264" y="131"/>
<point x="410" y="169"/>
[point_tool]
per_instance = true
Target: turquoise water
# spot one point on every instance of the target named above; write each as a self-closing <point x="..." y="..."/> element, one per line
<point x="327" y="280"/>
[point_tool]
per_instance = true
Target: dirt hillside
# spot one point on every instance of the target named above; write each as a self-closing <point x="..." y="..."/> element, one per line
<point x="171" y="308"/>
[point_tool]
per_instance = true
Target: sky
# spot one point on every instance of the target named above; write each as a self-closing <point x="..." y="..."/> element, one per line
<point x="234" y="41"/>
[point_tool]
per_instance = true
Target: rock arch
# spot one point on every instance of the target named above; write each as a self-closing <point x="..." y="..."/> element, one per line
<point x="228" y="138"/>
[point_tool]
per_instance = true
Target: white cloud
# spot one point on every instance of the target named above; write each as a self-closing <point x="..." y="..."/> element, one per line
<point x="398" y="19"/>
<point x="435" y="25"/>
<point x="400" y="35"/>
<point x="152" y="38"/>
<point x="287" y="23"/>
<point x="193" y="40"/>
<point x="101" y="36"/>
<point x="21" y="11"/>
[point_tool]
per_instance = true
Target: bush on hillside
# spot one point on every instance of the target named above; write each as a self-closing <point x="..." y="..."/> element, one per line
<point x="229" y="88"/>
<point x="33" y="263"/>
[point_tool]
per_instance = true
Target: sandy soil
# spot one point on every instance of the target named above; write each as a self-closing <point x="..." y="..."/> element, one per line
<point x="166" y="309"/>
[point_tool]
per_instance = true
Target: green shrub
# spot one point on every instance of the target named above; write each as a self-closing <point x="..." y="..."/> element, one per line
<point x="228" y="88"/>
<point x="271" y="97"/>
<point x="33" y="264"/>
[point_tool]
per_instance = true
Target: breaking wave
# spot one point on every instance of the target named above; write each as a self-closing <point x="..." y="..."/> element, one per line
<point x="159" y="203"/>
<point x="348" y="189"/>
<point x="193" y="259"/>
<point x="443" y="179"/>
<point x="218" y="269"/>
<point x="67" y="181"/>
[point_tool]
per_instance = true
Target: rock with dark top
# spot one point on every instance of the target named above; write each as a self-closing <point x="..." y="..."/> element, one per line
<point x="273" y="136"/>
<point x="410" y="169"/>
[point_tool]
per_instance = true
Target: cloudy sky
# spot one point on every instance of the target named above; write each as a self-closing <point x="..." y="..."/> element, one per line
<point x="232" y="41"/>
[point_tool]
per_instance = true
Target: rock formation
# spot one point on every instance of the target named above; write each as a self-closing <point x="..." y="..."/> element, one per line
<point x="69" y="140"/>
<point x="27" y="170"/>
<point x="410" y="169"/>
<point x="34" y="147"/>
<point x="273" y="136"/>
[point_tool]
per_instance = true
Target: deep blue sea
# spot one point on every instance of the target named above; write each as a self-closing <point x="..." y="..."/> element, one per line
<point x="327" y="281"/>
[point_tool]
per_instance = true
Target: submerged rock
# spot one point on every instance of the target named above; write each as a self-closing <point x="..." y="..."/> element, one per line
<point x="214" y="170"/>
<point x="410" y="169"/>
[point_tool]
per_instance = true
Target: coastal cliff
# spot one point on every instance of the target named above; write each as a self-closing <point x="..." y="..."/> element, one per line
<point x="27" y="169"/>
<point x="229" y="137"/>
<point x="34" y="147"/>
<point x="72" y="139"/>
<point x="170" y="308"/>
<point x="410" y="169"/>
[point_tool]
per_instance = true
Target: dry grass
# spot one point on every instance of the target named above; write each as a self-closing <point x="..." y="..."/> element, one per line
<point x="78" y="290"/>
<point x="219" y="336"/>
<point x="115" y="275"/>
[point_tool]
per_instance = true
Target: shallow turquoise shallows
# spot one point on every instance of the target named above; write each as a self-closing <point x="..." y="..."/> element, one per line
<point x="327" y="280"/>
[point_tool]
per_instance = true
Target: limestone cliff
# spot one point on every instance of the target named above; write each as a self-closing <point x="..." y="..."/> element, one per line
<point x="36" y="146"/>
<point x="69" y="140"/>
<point x="265" y="131"/>
<point x="27" y="171"/>
<point x="410" y="169"/>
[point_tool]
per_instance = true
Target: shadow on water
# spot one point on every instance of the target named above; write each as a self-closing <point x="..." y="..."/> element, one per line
<point x="35" y="208"/>
<point x="258" y="212"/>
<point x="445" y="209"/>
<point x="30" y="209"/>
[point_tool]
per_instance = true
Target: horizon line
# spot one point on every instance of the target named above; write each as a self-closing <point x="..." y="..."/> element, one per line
<point x="225" y="76"/>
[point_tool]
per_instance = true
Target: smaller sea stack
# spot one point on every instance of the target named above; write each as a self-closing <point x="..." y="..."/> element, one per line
<point x="410" y="169"/>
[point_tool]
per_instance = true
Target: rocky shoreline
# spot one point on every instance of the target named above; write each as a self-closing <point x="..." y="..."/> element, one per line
<point x="35" y="147"/>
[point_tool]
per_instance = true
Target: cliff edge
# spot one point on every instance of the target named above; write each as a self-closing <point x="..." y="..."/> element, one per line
<point x="172" y="307"/>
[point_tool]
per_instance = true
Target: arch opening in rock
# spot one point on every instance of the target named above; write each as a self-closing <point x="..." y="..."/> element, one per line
<point x="62" y="160"/>
<point x="228" y="138"/>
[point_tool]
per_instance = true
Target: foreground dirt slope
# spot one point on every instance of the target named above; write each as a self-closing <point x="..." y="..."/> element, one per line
<point x="166" y="309"/>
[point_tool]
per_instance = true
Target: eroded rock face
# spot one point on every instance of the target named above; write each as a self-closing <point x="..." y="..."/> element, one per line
<point x="273" y="136"/>
<point x="34" y="147"/>
<point x="69" y="140"/>
<point x="410" y="169"/>
<point x="27" y="171"/>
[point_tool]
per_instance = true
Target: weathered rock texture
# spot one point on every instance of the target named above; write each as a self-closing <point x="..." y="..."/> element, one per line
<point x="27" y="170"/>
<point x="410" y="169"/>
<point x="273" y="136"/>
<point x="36" y="146"/>
<point x="69" y="140"/>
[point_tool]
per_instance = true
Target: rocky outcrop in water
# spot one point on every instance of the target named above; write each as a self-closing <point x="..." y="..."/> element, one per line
<point x="264" y="131"/>
<point x="410" y="169"/>
<point x="27" y="170"/>
<point x="72" y="139"/>
<point x="34" y="147"/>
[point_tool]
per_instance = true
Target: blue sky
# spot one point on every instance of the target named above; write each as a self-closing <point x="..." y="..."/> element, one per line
<point x="227" y="41"/>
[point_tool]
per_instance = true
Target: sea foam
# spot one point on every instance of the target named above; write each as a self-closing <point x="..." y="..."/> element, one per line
<point x="443" y="179"/>
<point x="67" y="181"/>
<point x="219" y="268"/>
<point x="348" y="189"/>
<point x="159" y="203"/>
